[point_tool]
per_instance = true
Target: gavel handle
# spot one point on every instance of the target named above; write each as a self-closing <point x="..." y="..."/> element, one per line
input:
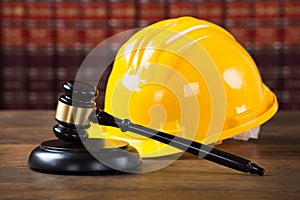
<point x="192" y="147"/>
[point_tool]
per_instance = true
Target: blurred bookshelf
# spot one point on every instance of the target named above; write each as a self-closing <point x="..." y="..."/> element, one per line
<point x="43" y="42"/>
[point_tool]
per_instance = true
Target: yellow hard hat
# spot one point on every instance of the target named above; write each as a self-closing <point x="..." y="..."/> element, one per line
<point x="186" y="77"/>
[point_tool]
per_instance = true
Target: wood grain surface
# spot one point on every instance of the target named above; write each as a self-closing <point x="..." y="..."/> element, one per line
<point x="277" y="151"/>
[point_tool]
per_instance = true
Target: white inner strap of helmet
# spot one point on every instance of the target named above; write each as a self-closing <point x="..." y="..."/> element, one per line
<point x="251" y="134"/>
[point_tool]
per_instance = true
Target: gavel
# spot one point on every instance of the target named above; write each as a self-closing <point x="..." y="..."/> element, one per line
<point x="77" y="108"/>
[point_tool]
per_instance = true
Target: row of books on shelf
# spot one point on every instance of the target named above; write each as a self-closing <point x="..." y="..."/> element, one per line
<point x="85" y="39"/>
<point x="77" y="36"/>
<point x="134" y="10"/>
<point x="146" y="11"/>
<point x="31" y="99"/>
<point x="85" y="23"/>
<point x="20" y="99"/>
<point x="34" y="81"/>
<point x="39" y="65"/>
<point x="29" y="80"/>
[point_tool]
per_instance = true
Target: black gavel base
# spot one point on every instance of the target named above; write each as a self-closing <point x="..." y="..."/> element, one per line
<point x="59" y="157"/>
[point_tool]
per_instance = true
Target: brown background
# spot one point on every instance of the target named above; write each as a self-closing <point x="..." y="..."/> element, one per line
<point x="44" y="42"/>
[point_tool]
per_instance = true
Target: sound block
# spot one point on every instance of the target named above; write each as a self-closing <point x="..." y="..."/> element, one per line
<point x="102" y="157"/>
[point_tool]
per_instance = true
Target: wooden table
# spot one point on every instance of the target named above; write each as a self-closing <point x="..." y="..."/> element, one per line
<point x="187" y="178"/>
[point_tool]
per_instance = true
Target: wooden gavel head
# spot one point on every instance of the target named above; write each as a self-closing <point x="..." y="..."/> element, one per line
<point x="73" y="111"/>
